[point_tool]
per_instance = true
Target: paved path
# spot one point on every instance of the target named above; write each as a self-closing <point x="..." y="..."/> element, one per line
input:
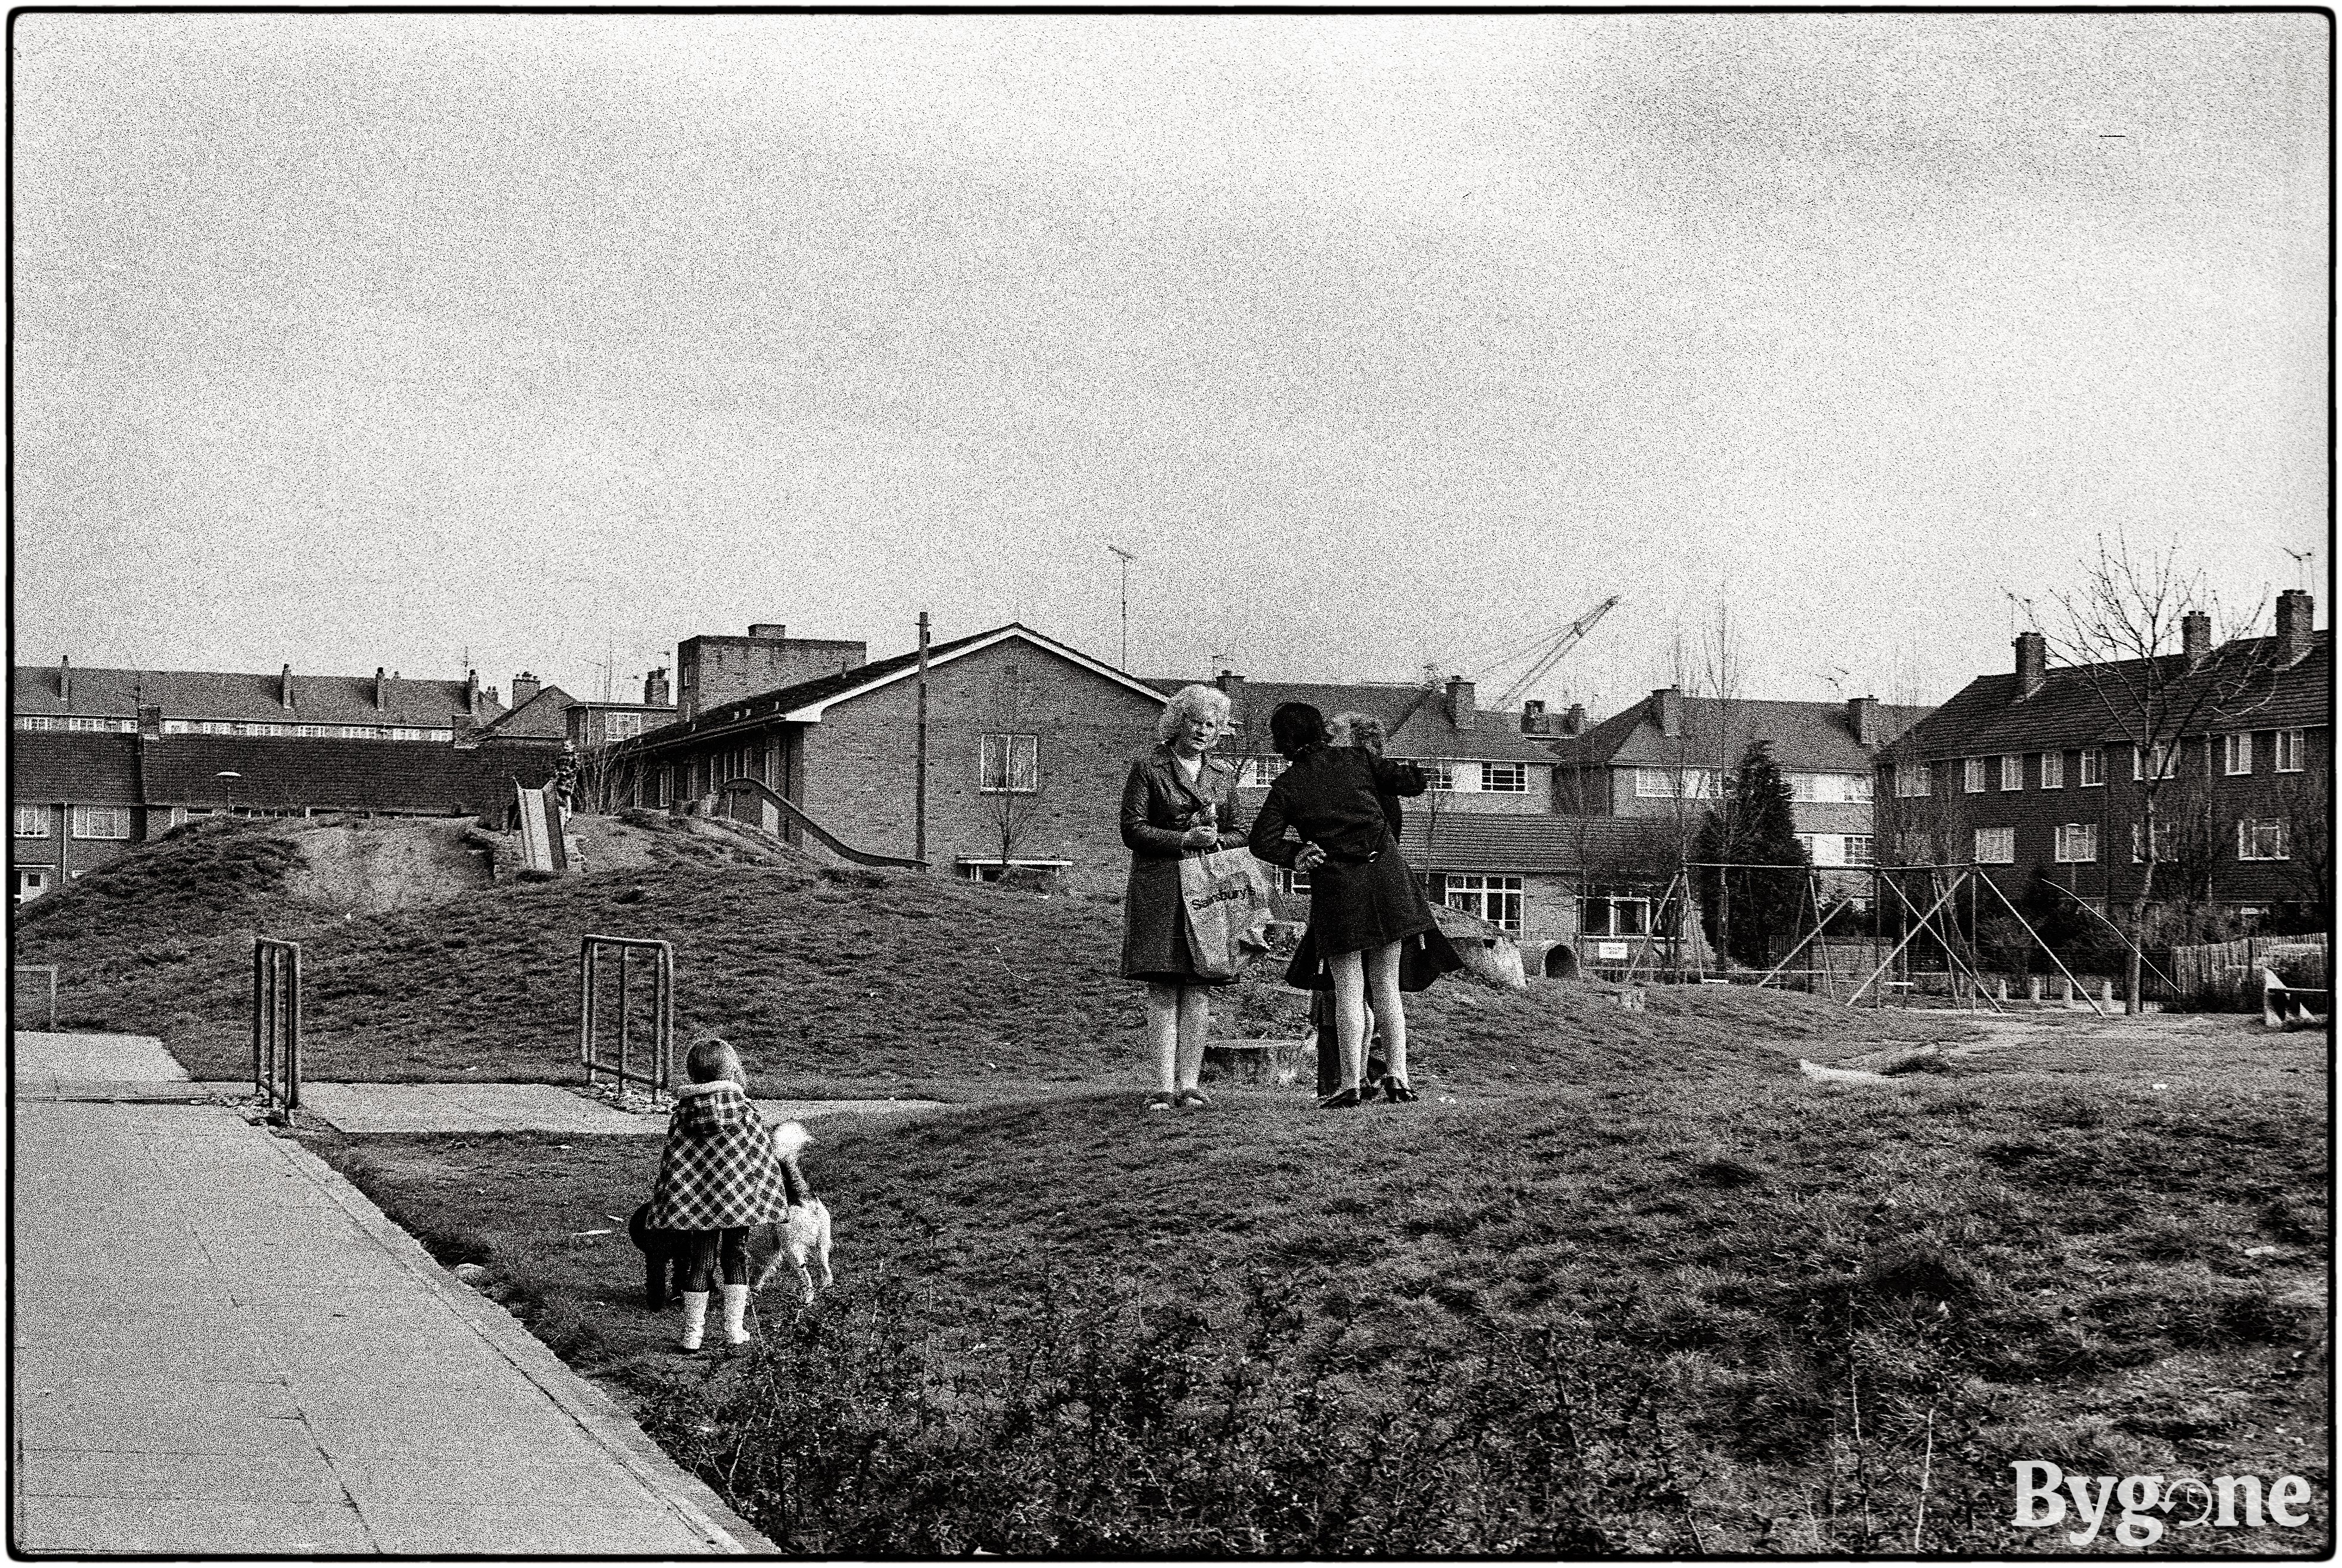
<point x="525" y="1107"/>
<point x="221" y="1347"/>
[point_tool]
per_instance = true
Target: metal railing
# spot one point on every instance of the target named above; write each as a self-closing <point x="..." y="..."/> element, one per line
<point x="48" y="969"/>
<point x="621" y="1072"/>
<point x="276" y="1022"/>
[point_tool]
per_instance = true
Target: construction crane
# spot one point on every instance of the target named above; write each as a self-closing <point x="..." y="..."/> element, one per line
<point x="1548" y="657"/>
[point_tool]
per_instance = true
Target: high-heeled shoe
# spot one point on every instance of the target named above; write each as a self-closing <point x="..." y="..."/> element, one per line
<point x="1338" y="1100"/>
<point x="1395" y="1091"/>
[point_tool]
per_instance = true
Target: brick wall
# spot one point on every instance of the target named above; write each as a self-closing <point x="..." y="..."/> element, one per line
<point x="856" y="766"/>
<point x="76" y="855"/>
<point x="713" y="671"/>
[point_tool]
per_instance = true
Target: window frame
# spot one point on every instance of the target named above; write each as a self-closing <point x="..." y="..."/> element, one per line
<point x="2167" y="759"/>
<point x="1013" y="746"/>
<point x="2234" y="747"/>
<point x="2001" y="836"/>
<point x="2091" y="768"/>
<point x="2063" y="839"/>
<point x="1972" y="776"/>
<point x="2012" y="773"/>
<point x="39" y="819"/>
<point x="2052" y="767"/>
<point x="1920" y="774"/>
<point x="2248" y="830"/>
<point x="2293" y="744"/>
<point x="1455" y="883"/>
<point x="77" y="818"/>
<point x="1867" y="855"/>
<point x="1611" y="903"/>
<point x="1518" y="771"/>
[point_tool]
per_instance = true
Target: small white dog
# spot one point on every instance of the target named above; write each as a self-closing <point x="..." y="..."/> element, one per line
<point x="804" y="1233"/>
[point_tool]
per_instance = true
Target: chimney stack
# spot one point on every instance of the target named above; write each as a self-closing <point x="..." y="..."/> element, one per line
<point x="654" y="690"/>
<point x="471" y="693"/>
<point x="2032" y="663"/>
<point x="381" y="691"/>
<point x="1668" y="700"/>
<point x="1574" y="722"/>
<point x="285" y="689"/>
<point x="65" y="676"/>
<point x="150" y="721"/>
<point x="2297" y="624"/>
<point x="2195" y="636"/>
<point x="1533" y="719"/>
<point x="769" y="631"/>
<point x="1862" y="718"/>
<point x="1233" y="685"/>
<point x="1460" y="696"/>
<point x="525" y="686"/>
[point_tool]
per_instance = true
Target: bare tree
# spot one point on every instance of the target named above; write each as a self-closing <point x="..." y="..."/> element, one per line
<point x="2302" y="804"/>
<point x="2158" y="674"/>
<point x="1010" y="782"/>
<point x="603" y="777"/>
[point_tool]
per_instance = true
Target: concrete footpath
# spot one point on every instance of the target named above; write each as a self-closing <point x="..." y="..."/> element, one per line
<point x="222" y="1348"/>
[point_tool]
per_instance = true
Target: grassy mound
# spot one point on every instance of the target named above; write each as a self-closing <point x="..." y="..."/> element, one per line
<point x="1694" y="1305"/>
<point x="830" y="981"/>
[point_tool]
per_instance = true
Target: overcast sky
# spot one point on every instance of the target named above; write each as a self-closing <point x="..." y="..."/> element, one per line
<point x="346" y="341"/>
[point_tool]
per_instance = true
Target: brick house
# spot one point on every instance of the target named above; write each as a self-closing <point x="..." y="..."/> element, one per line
<point x="1029" y="742"/>
<point x="712" y="671"/>
<point x="1667" y="757"/>
<point x="101" y="759"/>
<point x="591" y="722"/>
<point x="2033" y="775"/>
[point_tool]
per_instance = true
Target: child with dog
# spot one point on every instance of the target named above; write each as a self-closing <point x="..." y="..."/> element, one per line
<point x="723" y="1170"/>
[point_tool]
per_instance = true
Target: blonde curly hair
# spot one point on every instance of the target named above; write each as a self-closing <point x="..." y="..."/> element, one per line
<point x="1197" y="701"/>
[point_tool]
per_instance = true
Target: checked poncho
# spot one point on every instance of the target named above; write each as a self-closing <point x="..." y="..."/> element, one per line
<point x="720" y="1168"/>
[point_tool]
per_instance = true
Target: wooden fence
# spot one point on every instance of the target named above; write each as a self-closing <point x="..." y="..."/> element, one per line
<point x="2229" y="973"/>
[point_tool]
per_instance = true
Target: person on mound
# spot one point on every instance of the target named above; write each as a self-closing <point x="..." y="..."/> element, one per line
<point x="1176" y="803"/>
<point x="1422" y="958"/>
<point x="1364" y="902"/>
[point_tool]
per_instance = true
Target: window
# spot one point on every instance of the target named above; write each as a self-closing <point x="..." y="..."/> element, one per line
<point x="1011" y="765"/>
<point x="1995" y="847"/>
<point x="2236" y="753"/>
<point x="2012" y="772"/>
<point x="1857" y="786"/>
<point x="2261" y="841"/>
<point x="1505" y="778"/>
<point x="36" y="721"/>
<point x="1496" y="899"/>
<point x="2053" y="770"/>
<point x="1805" y="843"/>
<point x="1801" y="786"/>
<point x="2165" y="758"/>
<point x="1439" y="774"/>
<point x="2094" y="768"/>
<point x="621" y="726"/>
<point x="1972" y="776"/>
<point x="32" y="822"/>
<point x="1659" y="783"/>
<point x="1857" y="849"/>
<point x="2076" y="843"/>
<point x="2166" y="842"/>
<point x="1287" y="880"/>
<point x="1606" y="914"/>
<point x="2292" y="754"/>
<point x="1258" y="773"/>
<point x="101" y="822"/>
<point x="1912" y="780"/>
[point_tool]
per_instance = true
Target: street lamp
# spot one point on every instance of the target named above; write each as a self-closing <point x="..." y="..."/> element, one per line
<point x="227" y="777"/>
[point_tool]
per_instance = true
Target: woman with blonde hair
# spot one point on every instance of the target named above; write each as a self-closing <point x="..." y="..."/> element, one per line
<point x="1176" y="803"/>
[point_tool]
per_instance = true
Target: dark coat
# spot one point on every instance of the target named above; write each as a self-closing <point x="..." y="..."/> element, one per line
<point x="1157" y="807"/>
<point x="1363" y="895"/>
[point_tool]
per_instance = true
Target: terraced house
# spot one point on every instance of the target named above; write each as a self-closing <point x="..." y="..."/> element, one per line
<point x="2041" y="773"/>
<point x="100" y="759"/>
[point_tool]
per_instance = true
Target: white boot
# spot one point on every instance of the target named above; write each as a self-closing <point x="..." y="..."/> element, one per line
<point x="694" y="1318"/>
<point x="736" y="1315"/>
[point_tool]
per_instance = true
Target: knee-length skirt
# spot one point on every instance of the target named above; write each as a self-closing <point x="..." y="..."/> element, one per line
<point x="1357" y="904"/>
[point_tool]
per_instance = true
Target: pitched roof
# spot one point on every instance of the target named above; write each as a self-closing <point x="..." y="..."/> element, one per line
<point x="1415" y="716"/>
<point x="46" y="766"/>
<point x="1986" y="717"/>
<point x="543" y="717"/>
<point x="804" y="703"/>
<point x="355" y="775"/>
<point x="1804" y="737"/>
<point x="1511" y="845"/>
<point x="232" y="694"/>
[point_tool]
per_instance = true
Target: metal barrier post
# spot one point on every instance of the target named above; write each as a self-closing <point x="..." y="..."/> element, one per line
<point x="659" y="1076"/>
<point x="276" y="1022"/>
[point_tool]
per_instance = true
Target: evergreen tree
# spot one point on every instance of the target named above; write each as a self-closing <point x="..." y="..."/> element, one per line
<point x="1753" y="825"/>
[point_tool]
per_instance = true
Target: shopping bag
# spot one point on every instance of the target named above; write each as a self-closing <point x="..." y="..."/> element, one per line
<point x="1227" y="897"/>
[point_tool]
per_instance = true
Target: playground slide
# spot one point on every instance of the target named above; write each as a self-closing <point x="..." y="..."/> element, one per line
<point x="542" y="846"/>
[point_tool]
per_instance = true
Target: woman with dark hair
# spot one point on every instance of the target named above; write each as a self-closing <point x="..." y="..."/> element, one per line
<point x="1363" y="900"/>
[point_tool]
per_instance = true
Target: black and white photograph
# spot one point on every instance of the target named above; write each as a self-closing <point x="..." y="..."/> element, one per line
<point x="1171" y="783"/>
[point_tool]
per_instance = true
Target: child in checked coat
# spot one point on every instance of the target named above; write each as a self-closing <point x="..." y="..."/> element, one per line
<point x="721" y="1172"/>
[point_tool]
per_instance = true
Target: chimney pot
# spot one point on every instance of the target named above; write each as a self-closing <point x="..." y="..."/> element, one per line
<point x="2032" y="663"/>
<point x="2296" y="625"/>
